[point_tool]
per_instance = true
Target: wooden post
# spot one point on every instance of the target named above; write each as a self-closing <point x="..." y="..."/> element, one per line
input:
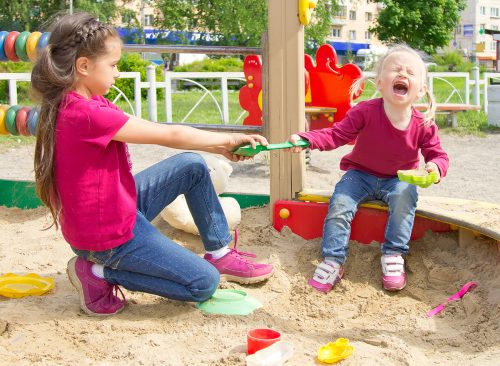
<point x="283" y="75"/>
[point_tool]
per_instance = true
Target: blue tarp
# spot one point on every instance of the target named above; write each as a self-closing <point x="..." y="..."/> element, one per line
<point x="342" y="47"/>
<point x="171" y="37"/>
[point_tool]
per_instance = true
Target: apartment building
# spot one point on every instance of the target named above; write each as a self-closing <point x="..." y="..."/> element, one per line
<point x="470" y="37"/>
<point x="349" y="32"/>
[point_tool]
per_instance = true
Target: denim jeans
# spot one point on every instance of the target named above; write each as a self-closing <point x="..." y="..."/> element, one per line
<point x="356" y="187"/>
<point x="150" y="262"/>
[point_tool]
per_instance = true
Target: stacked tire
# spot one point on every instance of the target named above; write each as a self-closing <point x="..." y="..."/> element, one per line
<point x="15" y="46"/>
<point x="16" y="120"/>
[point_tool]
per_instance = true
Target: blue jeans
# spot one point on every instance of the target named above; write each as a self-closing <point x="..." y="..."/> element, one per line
<point x="150" y="262"/>
<point x="356" y="187"/>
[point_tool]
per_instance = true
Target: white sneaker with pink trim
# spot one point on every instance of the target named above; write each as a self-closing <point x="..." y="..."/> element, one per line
<point x="393" y="272"/>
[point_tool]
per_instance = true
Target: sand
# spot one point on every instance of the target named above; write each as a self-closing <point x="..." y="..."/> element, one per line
<point x="384" y="328"/>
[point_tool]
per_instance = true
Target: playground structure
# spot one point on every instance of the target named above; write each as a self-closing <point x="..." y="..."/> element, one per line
<point x="288" y="82"/>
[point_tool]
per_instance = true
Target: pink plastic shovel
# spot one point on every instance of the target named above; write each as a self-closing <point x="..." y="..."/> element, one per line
<point x="466" y="288"/>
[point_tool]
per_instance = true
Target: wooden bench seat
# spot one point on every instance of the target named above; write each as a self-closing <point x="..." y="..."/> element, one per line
<point x="467" y="215"/>
<point x="452" y="109"/>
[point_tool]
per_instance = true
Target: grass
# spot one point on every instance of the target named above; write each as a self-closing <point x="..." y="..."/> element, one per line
<point x="205" y="113"/>
<point x="9" y="142"/>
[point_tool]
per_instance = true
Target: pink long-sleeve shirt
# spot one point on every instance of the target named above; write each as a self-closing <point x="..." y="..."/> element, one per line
<point x="380" y="148"/>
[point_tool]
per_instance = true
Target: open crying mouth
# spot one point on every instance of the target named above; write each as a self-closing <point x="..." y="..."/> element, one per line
<point x="400" y="88"/>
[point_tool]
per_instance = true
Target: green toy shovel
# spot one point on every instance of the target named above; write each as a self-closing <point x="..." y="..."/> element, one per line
<point x="247" y="150"/>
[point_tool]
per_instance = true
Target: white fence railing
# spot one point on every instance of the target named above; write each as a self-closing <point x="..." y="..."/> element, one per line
<point x="172" y="78"/>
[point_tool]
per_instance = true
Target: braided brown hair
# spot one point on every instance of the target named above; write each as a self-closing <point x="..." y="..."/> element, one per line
<point x="72" y="36"/>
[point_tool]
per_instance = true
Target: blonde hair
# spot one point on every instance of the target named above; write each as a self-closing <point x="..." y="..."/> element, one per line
<point x="430" y="112"/>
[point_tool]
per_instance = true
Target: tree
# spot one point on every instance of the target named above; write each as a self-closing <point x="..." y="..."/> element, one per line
<point x="422" y="24"/>
<point x="236" y="22"/>
<point x="31" y="15"/>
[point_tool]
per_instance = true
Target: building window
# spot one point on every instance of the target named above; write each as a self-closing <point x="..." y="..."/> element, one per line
<point x="482" y="10"/>
<point x="352" y="35"/>
<point x="494" y="27"/>
<point x="335" y="32"/>
<point x="494" y="12"/>
<point x="493" y="46"/>
<point x="352" y="15"/>
<point x="148" y="20"/>
<point x="368" y="17"/>
<point x="341" y="12"/>
<point x="368" y="35"/>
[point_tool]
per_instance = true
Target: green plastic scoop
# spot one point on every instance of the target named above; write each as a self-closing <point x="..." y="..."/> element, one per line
<point x="247" y="150"/>
<point x="229" y="302"/>
<point x="418" y="177"/>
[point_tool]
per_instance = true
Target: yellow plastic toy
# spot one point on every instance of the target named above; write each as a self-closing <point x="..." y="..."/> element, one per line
<point x="335" y="351"/>
<point x="306" y="7"/>
<point x="16" y="286"/>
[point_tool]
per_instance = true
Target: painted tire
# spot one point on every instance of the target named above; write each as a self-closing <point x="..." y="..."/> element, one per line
<point x="43" y="41"/>
<point x="21" y="46"/>
<point x="9" y="46"/>
<point x="3" y="35"/>
<point x="10" y="120"/>
<point x="21" y="117"/>
<point x="32" y="120"/>
<point x="31" y="43"/>
<point x="3" y="128"/>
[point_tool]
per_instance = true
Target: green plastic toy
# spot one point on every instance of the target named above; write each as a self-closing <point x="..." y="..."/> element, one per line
<point x="229" y="302"/>
<point x="247" y="150"/>
<point x="418" y="177"/>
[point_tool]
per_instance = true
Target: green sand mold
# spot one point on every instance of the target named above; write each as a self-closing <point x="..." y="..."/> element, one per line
<point x="229" y="302"/>
<point x="418" y="177"/>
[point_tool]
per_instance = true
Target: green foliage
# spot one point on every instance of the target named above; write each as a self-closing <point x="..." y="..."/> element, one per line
<point x="31" y="15"/>
<point x="451" y="59"/>
<point x="319" y="27"/>
<point x="22" y="87"/>
<point x="422" y="24"/>
<point x="237" y="22"/>
<point x="226" y="64"/>
<point x="229" y="64"/>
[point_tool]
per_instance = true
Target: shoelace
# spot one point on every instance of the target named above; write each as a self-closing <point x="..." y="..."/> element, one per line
<point x="112" y="293"/>
<point x="239" y="253"/>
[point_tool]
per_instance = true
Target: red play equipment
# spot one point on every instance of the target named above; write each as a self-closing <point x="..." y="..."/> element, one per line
<point x="327" y="85"/>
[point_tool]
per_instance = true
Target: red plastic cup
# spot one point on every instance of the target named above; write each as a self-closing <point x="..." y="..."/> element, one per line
<point x="258" y="339"/>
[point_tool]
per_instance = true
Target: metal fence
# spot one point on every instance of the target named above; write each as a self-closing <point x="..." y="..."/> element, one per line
<point x="170" y="85"/>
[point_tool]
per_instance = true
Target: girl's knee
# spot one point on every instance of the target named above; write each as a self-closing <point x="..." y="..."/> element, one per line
<point x="205" y="286"/>
<point x="195" y="163"/>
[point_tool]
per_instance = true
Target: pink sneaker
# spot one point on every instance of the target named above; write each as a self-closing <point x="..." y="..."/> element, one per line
<point x="234" y="267"/>
<point x="327" y="275"/>
<point x="393" y="272"/>
<point x="96" y="294"/>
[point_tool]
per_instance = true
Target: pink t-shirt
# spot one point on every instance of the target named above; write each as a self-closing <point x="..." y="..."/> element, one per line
<point x="381" y="149"/>
<point x="93" y="174"/>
